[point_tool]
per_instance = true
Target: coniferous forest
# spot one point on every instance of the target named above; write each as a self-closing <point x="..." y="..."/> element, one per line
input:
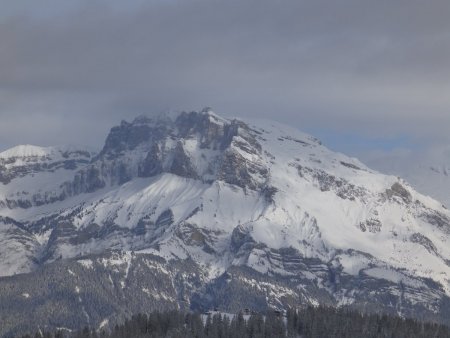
<point x="312" y="322"/>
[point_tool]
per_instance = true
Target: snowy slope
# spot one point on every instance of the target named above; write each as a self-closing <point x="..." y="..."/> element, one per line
<point x="232" y="194"/>
<point x="26" y="151"/>
<point x="427" y="170"/>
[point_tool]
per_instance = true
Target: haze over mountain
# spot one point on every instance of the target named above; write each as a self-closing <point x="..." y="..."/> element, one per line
<point x="427" y="170"/>
<point x="361" y="75"/>
<point x="179" y="210"/>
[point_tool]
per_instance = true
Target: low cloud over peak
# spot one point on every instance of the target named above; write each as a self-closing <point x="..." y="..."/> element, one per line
<point x="372" y="69"/>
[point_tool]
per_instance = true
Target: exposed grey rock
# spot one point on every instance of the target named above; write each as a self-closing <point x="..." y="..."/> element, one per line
<point x="327" y="182"/>
<point x="181" y="164"/>
<point x="372" y="225"/>
<point x="398" y="190"/>
<point x="239" y="237"/>
<point x="437" y="219"/>
<point x="350" y="165"/>
<point x="166" y="218"/>
<point x="424" y="241"/>
<point x="152" y="164"/>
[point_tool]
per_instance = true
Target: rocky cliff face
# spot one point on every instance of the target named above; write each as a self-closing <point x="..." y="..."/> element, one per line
<point x="255" y="211"/>
<point x="193" y="145"/>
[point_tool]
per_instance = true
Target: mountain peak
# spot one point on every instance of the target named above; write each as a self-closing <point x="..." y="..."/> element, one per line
<point x="196" y="144"/>
<point x="172" y="116"/>
<point x="240" y="201"/>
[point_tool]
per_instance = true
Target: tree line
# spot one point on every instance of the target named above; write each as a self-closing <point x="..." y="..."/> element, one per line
<point x="311" y="322"/>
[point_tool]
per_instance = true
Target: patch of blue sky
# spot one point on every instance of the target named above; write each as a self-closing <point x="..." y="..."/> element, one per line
<point x="355" y="144"/>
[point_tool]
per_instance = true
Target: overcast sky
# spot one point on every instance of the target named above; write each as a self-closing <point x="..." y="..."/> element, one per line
<point x="362" y="75"/>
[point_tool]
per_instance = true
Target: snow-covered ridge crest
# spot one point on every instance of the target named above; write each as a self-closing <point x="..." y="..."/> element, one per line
<point x="28" y="150"/>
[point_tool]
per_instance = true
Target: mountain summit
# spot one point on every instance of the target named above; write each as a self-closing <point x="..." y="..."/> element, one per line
<point x="179" y="211"/>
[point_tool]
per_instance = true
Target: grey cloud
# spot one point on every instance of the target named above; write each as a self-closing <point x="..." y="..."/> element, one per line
<point x="367" y="67"/>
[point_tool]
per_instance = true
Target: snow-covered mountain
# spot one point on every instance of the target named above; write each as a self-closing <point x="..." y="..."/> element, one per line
<point x="31" y="175"/>
<point x="427" y="170"/>
<point x="211" y="207"/>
